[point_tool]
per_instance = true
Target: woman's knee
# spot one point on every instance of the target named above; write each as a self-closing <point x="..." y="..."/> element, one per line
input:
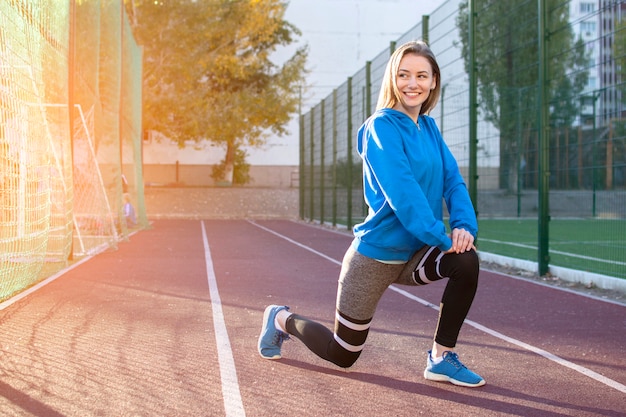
<point x="464" y="266"/>
<point x="469" y="261"/>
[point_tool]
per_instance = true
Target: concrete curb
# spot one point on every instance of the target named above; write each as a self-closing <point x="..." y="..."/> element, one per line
<point x="571" y="275"/>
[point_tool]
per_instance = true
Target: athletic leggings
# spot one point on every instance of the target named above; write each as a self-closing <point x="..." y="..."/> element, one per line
<point x="362" y="283"/>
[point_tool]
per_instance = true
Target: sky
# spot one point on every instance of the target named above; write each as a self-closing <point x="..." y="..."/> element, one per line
<point x="342" y="35"/>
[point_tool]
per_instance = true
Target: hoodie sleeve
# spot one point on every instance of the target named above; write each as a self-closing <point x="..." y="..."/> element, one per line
<point x="455" y="194"/>
<point x="387" y="169"/>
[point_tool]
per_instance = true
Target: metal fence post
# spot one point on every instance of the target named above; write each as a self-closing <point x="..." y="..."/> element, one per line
<point x="335" y="157"/>
<point x="322" y="162"/>
<point x="543" y="142"/>
<point x="473" y="109"/>
<point x="71" y="65"/>
<point x="312" y="168"/>
<point x="368" y="89"/>
<point x="301" y="184"/>
<point x="350" y="162"/>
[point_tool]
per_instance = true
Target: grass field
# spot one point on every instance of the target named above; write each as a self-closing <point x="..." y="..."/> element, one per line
<point x="593" y="245"/>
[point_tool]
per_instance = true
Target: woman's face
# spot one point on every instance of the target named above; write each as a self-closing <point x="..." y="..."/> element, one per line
<point x="415" y="81"/>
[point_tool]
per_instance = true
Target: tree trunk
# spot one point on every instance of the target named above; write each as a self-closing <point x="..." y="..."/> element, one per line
<point x="229" y="164"/>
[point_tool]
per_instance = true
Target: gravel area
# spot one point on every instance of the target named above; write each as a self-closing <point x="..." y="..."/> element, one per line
<point x="221" y="203"/>
<point x="283" y="203"/>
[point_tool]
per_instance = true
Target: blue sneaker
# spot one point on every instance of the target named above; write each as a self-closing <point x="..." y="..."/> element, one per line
<point x="271" y="339"/>
<point x="452" y="370"/>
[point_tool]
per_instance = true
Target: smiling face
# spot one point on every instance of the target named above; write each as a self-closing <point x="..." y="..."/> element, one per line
<point x="414" y="83"/>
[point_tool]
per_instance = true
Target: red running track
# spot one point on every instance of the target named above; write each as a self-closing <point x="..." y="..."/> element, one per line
<point x="167" y="325"/>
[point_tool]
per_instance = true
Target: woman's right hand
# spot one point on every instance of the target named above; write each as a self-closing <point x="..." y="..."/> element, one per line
<point x="462" y="241"/>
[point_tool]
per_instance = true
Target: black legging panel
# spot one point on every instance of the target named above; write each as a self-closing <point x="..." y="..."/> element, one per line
<point x="462" y="273"/>
<point x="325" y="344"/>
<point x="363" y="281"/>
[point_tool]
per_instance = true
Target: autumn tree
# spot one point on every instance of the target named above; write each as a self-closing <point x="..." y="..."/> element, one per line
<point x="208" y="72"/>
<point x="506" y="68"/>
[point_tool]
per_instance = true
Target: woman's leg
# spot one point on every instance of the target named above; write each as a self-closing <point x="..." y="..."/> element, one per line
<point x="462" y="272"/>
<point x="361" y="284"/>
<point x="429" y="265"/>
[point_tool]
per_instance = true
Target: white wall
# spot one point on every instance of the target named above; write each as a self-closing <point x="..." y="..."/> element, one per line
<point x="162" y="151"/>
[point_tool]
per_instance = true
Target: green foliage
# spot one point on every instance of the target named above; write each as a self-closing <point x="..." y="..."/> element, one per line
<point x="507" y="71"/>
<point x="349" y="175"/>
<point x="241" y="169"/>
<point x="208" y="72"/>
<point x="619" y="47"/>
<point x="619" y="52"/>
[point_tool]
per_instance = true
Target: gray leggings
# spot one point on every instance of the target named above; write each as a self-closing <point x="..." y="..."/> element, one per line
<point x="362" y="283"/>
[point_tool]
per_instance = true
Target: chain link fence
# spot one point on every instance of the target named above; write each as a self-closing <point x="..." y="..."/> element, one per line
<point x="532" y="107"/>
<point x="70" y="135"/>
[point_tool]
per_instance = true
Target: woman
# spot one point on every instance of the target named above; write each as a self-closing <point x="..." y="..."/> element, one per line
<point x="407" y="171"/>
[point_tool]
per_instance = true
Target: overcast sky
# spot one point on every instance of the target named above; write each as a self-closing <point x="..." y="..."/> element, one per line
<point x="342" y="36"/>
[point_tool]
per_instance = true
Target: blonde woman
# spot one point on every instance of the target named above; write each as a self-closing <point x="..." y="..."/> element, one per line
<point x="407" y="172"/>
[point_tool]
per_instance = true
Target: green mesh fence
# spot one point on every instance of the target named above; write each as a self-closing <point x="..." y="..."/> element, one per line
<point x="581" y="140"/>
<point x="70" y="114"/>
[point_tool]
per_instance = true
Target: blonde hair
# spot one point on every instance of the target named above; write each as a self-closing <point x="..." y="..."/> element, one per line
<point x="389" y="95"/>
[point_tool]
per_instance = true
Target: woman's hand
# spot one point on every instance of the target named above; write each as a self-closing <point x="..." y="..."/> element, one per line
<point x="462" y="241"/>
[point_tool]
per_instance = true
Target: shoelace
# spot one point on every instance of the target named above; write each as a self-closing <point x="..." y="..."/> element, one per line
<point x="279" y="338"/>
<point x="453" y="359"/>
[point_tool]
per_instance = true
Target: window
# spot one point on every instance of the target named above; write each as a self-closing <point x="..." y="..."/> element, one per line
<point x="588" y="27"/>
<point x="587" y="7"/>
<point x="592" y="83"/>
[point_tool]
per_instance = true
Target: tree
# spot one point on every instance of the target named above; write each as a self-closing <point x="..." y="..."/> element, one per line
<point x="507" y="72"/>
<point x="619" y="123"/>
<point x="208" y="72"/>
<point x="619" y="52"/>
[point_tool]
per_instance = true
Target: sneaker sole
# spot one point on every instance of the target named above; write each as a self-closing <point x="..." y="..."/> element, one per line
<point x="266" y="314"/>
<point x="444" y="378"/>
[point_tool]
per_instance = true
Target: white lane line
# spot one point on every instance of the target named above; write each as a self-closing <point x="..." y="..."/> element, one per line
<point x="587" y="372"/>
<point x="230" y="385"/>
<point x="558" y="252"/>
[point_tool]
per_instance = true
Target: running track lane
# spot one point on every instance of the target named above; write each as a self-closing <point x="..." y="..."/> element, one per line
<point x="544" y="352"/>
<point x="137" y="332"/>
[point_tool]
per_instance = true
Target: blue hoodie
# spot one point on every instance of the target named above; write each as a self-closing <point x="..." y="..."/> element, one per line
<point x="408" y="171"/>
